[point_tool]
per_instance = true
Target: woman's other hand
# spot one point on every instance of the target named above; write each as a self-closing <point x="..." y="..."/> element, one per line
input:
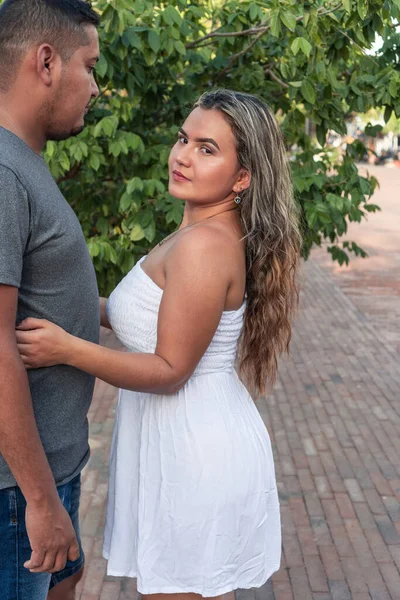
<point x="42" y="344"/>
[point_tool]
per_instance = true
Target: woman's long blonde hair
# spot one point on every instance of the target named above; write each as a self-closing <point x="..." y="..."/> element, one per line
<point x="270" y="222"/>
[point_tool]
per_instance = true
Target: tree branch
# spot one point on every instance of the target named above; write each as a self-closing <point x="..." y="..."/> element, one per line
<point x="101" y="94"/>
<point x="239" y="54"/>
<point x="214" y="34"/>
<point x="271" y="73"/>
<point x="322" y="13"/>
<point x="71" y="174"/>
<point x="356" y="44"/>
<point x="263" y="30"/>
<point x="263" y="27"/>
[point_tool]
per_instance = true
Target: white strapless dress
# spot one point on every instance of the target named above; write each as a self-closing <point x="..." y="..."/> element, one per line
<point x="192" y="504"/>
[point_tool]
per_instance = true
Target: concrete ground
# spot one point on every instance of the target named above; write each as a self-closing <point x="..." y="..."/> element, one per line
<point x="334" y="421"/>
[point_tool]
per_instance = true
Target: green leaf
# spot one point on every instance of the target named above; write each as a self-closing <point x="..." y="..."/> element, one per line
<point x="305" y="46"/>
<point x="131" y="38"/>
<point x="332" y="77"/>
<point x="135" y="184"/>
<point x="362" y="9"/>
<point x="372" y="207"/>
<point x="171" y="16"/>
<point x="308" y="91"/>
<point x="275" y="24"/>
<point x="101" y="66"/>
<point x="289" y="20"/>
<point x="295" y="45"/>
<point x="125" y="202"/>
<point x="94" y="249"/>
<point x="64" y="161"/>
<point x="107" y="125"/>
<point x="137" y="233"/>
<point x="253" y="12"/>
<point x="393" y="88"/>
<point x="179" y="46"/>
<point x="167" y="17"/>
<point x="321" y="70"/>
<point x="149" y="57"/>
<point x="94" y="162"/>
<point x="175" y="33"/>
<point x="302" y="44"/>
<point x="372" y="130"/>
<point x="338" y="254"/>
<point x="154" y="41"/>
<point x="299" y="183"/>
<point x="150" y="232"/>
<point x="113" y="255"/>
<point x="321" y="134"/>
<point x="365" y="186"/>
<point x="50" y="149"/>
<point x="388" y="111"/>
<point x="115" y="149"/>
<point x="335" y="201"/>
<point x="347" y="5"/>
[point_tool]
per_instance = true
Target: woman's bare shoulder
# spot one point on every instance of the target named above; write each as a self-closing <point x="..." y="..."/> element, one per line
<point x="205" y="243"/>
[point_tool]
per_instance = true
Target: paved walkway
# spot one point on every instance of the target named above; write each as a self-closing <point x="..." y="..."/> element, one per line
<point x="374" y="284"/>
<point x="334" y="420"/>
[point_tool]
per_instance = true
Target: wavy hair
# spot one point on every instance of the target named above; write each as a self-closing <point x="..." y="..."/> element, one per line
<point x="270" y="221"/>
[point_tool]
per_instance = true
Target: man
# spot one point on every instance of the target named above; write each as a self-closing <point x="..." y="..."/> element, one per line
<point x="48" y="49"/>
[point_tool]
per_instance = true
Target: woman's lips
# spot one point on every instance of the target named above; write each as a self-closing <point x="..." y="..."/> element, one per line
<point x="177" y="175"/>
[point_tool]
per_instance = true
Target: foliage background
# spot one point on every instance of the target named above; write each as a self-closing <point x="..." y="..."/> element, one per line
<point x="307" y="58"/>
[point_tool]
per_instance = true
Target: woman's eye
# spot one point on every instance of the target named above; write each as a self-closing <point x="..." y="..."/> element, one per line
<point x="182" y="140"/>
<point x="206" y="150"/>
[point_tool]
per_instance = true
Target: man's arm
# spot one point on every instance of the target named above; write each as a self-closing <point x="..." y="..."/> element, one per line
<point x="49" y="527"/>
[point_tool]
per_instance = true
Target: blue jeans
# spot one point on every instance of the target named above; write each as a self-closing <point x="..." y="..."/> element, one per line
<point x="16" y="582"/>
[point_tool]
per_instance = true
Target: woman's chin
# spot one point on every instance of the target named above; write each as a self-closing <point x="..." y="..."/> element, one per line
<point x="176" y="191"/>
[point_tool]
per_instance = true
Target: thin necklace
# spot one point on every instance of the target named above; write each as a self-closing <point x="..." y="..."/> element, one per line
<point x="193" y="225"/>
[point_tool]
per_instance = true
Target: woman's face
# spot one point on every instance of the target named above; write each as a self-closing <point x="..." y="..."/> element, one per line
<point x="203" y="164"/>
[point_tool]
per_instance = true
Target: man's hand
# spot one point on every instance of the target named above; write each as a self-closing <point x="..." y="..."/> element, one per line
<point x="52" y="537"/>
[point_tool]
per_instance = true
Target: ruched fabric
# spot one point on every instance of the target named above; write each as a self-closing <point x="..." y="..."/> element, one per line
<point x="193" y="504"/>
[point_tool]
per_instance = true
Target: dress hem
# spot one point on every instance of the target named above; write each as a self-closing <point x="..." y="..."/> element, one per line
<point x="192" y="590"/>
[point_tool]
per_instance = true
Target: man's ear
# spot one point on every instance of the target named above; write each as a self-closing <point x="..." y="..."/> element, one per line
<point x="46" y="58"/>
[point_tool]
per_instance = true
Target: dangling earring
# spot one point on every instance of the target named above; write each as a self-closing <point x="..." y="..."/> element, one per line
<point x="237" y="199"/>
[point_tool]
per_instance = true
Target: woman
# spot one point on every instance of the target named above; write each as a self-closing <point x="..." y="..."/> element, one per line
<point x="193" y="506"/>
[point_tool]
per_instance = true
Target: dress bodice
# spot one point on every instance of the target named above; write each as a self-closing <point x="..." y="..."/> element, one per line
<point x="133" y="308"/>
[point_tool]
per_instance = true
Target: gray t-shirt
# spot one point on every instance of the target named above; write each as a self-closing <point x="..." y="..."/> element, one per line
<point x="43" y="253"/>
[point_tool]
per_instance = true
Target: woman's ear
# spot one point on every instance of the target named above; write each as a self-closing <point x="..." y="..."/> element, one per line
<point x="243" y="182"/>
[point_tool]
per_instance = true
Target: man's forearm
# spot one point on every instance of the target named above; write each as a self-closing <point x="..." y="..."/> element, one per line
<point x="20" y="444"/>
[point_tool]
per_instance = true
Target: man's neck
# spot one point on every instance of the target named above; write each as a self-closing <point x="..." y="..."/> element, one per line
<point x="20" y="127"/>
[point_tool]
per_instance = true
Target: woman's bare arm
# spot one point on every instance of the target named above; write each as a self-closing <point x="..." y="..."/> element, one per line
<point x="197" y="282"/>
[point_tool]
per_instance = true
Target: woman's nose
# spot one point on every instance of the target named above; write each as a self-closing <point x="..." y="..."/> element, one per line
<point x="183" y="157"/>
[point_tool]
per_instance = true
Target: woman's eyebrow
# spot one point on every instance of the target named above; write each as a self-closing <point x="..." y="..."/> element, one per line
<point x="201" y="140"/>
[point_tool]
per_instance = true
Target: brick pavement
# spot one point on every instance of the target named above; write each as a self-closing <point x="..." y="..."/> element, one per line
<point x="334" y="421"/>
<point x="374" y="284"/>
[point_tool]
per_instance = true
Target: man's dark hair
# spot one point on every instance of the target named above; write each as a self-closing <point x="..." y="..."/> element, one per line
<point x="24" y="23"/>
